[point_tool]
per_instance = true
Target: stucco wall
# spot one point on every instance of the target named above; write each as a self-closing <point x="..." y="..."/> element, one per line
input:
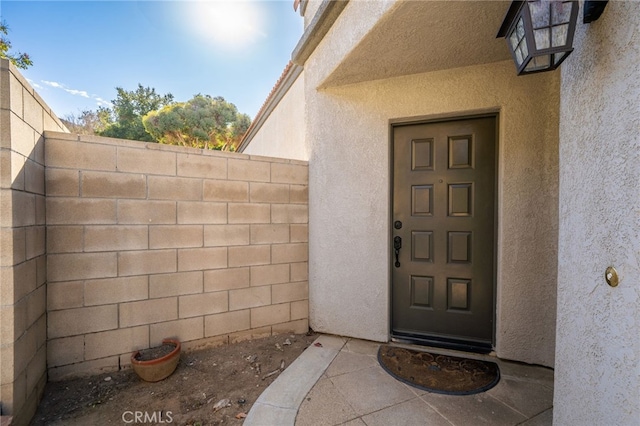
<point x="348" y="134"/>
<point x="24" y="117"/>
<point x="282" y="133"/>
<point x="148" y="241"/>
<point x="598" y="334"/>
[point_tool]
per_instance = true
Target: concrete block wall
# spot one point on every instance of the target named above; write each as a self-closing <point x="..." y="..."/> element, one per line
<point x="24" y="117"/>
<point x="147" y="241"/>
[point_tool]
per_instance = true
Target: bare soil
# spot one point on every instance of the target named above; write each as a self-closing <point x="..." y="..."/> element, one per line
<point x="193" y="395"/>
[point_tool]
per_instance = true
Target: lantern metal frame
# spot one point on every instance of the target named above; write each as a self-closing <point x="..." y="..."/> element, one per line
<point x="520" y="33"/>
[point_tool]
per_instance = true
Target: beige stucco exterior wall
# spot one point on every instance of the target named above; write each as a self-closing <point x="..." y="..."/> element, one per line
<point x="348" y="135"/>
<point x="24" y="117"/>
<point x="282" y="133"/>
<point x="598" y="332"/>
<point x="149" y="241"/>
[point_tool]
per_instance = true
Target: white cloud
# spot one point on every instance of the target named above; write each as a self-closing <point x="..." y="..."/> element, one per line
<point x="75" y="92"/>
<point x="102" y="102"/>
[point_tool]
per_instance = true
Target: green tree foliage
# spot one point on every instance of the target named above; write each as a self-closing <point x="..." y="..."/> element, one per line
<point x="125" y="120"/>
<point x="88" y="122"/>
<point x="202" y="122"/>
<point x="20" y="60"/>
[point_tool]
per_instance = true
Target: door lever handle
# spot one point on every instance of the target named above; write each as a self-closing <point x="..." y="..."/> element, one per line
<point x="397" y="245"/>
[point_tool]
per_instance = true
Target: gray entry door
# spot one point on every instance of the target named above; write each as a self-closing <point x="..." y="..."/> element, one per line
<point x="444" y="200"/>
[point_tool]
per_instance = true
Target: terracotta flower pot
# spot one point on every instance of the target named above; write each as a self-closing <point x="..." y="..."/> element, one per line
<point x="157" y="369"/>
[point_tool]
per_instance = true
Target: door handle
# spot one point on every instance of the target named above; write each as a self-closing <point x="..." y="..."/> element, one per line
<point x="397" y="245"/>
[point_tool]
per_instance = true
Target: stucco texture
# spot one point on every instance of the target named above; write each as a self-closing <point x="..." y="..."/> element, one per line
<point x="282" y="133"/>
<point x="348" y="133"/>
<point x="598" y="328"/>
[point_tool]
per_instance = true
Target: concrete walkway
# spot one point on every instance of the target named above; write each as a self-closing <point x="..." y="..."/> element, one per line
<point x="339" y="382"/>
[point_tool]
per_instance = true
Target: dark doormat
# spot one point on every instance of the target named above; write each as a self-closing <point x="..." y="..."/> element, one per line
<point x="438" y="373"/>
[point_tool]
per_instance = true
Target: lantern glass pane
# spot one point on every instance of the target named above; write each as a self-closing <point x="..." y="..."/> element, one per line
<point x="542" y="38"/>
<point x="519" y="57"/>
<point x="513" y="39"/>
<point x="559" y="35"/>
<point x="561" y="12"/>
<point x="558" y="57"/>
<point x="539" y="10"/>
<point x="538" y="63"/>
<point x="520" y="29"/>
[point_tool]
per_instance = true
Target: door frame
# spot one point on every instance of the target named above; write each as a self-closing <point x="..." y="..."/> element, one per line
<point x="434" y="119"/>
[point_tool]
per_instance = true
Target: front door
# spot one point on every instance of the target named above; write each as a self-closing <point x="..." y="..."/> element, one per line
<point x="443" y="231"/>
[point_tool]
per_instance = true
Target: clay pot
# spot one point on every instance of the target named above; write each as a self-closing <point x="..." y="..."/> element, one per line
<point x="157" y="369"/>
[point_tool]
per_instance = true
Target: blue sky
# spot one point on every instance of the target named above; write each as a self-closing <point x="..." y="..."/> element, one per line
<point x="83" y="50"/>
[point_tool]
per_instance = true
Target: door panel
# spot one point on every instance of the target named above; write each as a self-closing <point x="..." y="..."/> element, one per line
<point x="444" y="195"/>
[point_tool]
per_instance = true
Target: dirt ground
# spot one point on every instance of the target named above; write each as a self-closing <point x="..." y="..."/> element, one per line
<point x="192" y="395"/>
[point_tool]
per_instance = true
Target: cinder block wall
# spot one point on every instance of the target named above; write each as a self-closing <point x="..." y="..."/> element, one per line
<point x="24" y="117"/>
<point x="147" y="241"/>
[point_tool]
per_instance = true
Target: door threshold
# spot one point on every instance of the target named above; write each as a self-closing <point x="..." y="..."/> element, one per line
<point x="443" y="342"/>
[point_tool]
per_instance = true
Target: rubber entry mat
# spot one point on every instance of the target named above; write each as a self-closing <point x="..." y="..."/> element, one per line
<point x="439" y="373"/>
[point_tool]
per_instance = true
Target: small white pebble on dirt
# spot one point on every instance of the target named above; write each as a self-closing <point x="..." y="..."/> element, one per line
<point x="107" y="379"/>
<point x="278" y="347"/>
<point x="287" y="342"/>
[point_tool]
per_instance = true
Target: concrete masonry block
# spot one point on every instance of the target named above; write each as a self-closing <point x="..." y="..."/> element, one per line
<point x="226" y="191"/>
<point x="249" y="213"/>
<point x="14" y="246"/>
<point x="269" y="274"/>
<point x="226" y="279"/>
<point x="228" y="322"/>
<point x="23" y="209"/>
<point x="299" y="233"/>
<point x="146" y="161"/>
<point x="77" y="211"/>
<point x="72" y="322"/>
<point x="289" y="213"/>
<point x="147" y="262"/>
<point x="201" y="213"/>
<point x="249" y="170"/>
<point x="148" y="311"/>
<point x="115" y="290"/>
<point x="300" y="271"/>
<point x="208" y="167"/>
<point x="269" y="234"/>
<point x="146" y="212"/>
<point x="36" y="305"/>
<point x="115" y="238"/>
<point x="226" y="235"/>
<point x="198" y="259"/>
<point x="62" y="182"/>
<point x="18" y="281"/>
<point x="173" y="188"/>
<point x="65" y="239"/>
<point x="65" y="295"/>
<point x="115" y="342"/>
<point x="269" y="315"/>
<point x="72" y="154"/>
<point x="299" y="310"/>
<point x="34" y="180"/>
<point x="78" y="266"/>
<point x="181" y="283"/>
<point x="289" y="253"/>
<point x="203" y="304"/>
<point x="175" y="236"/>
<point x="84" y="369"/>
<point x="268" y="192"/>
<point x="112" y="185"/>
<point x="299" y="194"/>
<point x="184" y="330"/>
<point x="35" y="241"/>
<point x="249" y="297"/>
<point x="249" y="255"/>
<point x="37" y="367"/>
<point x="290" y="173"/>
<point x="66" y="350"/>
<point x="289" y="292"/>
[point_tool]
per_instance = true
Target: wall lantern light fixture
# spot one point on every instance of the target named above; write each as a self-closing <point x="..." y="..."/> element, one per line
<point x="539" y="33"/>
